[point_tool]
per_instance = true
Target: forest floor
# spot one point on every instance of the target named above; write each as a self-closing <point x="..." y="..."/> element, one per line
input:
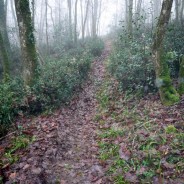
<point x="64" y="149"/>
<point x="101" y="137"/>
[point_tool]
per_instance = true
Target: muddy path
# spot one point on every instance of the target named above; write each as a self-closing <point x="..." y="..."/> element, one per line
<point x="65" y="150"/>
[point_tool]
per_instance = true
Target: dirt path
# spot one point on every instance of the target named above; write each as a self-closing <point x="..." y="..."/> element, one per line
<point x="65" y="149"/>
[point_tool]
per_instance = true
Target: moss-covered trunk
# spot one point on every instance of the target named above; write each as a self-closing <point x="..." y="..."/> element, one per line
<point x="4" y="55"/>
<point x="167" y="92"/>
<point x="27" y="41"/>
<point x="181" y="77"/>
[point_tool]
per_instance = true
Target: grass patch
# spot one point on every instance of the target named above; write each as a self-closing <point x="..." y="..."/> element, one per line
<point x="136" y="142"/>
<point x="11" y="152"/>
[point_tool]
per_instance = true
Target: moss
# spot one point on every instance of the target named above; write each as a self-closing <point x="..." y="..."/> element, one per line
<point x="166" y="80"/>
<point x="181" y="77"/>
<point x="168" y="94"/>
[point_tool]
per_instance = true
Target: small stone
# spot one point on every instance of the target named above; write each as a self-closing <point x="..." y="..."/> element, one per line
<point x="21" y="165"/>
<point x="36" y="171"/>
<point x="26" y="167"/>
<point x="94" y="149"/>
<point x="30" y="160"/>
<point x="36" y="145"/>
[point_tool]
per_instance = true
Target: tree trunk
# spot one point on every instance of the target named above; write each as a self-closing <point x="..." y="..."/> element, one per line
<point x="138" y="8"/>
<point x="75" y="27"/>
<point x="126" y="14"/>
<point x="27" y="41"/>
<point x="177" y="10"/>
<point x="181" y="77"/>
<point x="5" y="59"/>
<point x="70" y="18"/>
<point x="33" y="11"/>
<point x="130" y="18"/>
<point x="46" y="27"/>
<point x="51" y="15"/>
<point x="167" y="92"/>
<point x="181" y="12"/>
<point x="95" y="7"/>
<point x="99" y="16"/>
<point x="84" y="18"/>
<point x="15" y="19"/>
<point x="3" y="28"/>
<point x="41" y="25"/>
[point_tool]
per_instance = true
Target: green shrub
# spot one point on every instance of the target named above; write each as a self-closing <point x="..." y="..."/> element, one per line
<point x="57" y="83"/>
<point x="95" y="46"/>
<point x="11" y="100"/>
<point x="131" y="66"/>
<point x="59" y="79"/>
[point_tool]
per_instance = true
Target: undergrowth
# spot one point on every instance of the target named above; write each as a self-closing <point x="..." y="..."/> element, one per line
<point x="13" y="152"/>
<point x="137" y="143"/>
<point x="59" y="80"/>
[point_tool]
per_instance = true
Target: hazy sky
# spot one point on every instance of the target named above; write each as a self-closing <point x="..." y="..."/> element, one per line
<point x="110" y="10"/>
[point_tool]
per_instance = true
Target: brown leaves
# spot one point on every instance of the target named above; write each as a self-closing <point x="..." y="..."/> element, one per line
<point x="130" y="177"/>
<point x="124" y="153"/>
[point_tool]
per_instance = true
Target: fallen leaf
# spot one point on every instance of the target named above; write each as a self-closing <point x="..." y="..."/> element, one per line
<point x="62" y="182"/>
<point x="170" y="120"/>
<point x="141" y="171"/>
<point x="99" y="181"/>
<point x="12" y="176"/>
<point x="124" y="153"/>
<point x="131" y="177"/>
<point x="167" y="165"/>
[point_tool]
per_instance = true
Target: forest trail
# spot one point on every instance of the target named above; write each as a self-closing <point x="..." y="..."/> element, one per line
<point x="65" y="150"/>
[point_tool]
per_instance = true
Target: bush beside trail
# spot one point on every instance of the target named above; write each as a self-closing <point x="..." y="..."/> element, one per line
<point x="58" y="81"/>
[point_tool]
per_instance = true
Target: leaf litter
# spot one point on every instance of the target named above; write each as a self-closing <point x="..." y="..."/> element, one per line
<point x="65" y="147"/>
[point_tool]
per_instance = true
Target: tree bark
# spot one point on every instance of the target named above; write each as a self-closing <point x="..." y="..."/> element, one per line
<point x="177" y="10"/>
<point x="33" y="11"/>
<point x="167" y="92"/>
<point x="5" y="59"/>
<point x="70" y="18"/>
<point x="14" y="18"/>
<point x="181" y="12"/>
<point x="181" y="77"/>
<point x="75" y="27"/>
<point x="27" y="41"/>
<point x="84" y="18"/>
<point x="138" y="8"/>
<point x="129" y="13"/>
<point x="46" y="26"/>
<point x="95" y="6"/>
<point x="3" y="28"/>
